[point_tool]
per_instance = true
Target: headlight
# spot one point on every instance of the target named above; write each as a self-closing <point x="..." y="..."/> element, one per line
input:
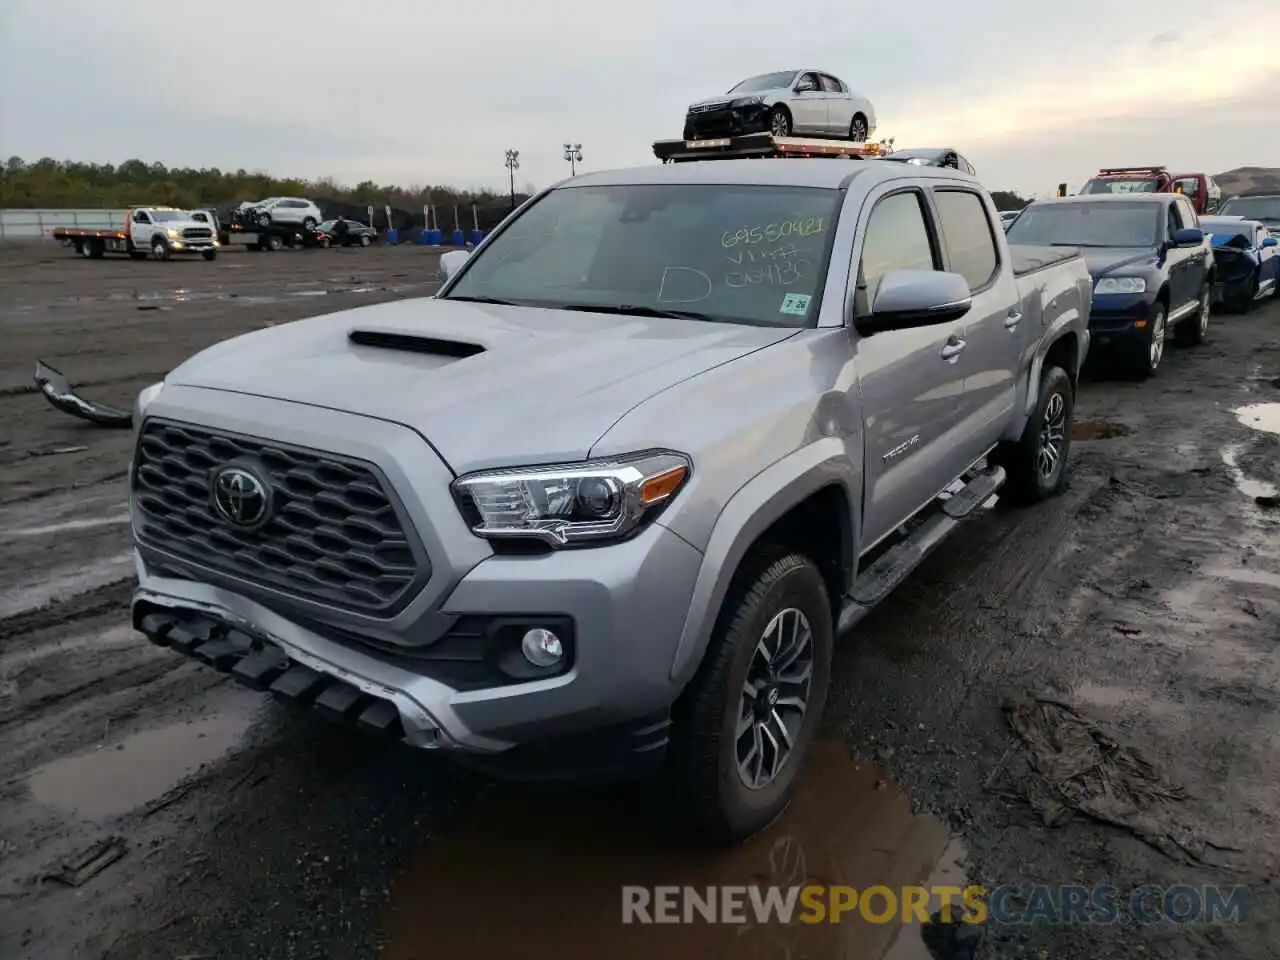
<point x="1121" y="285"/>
<point x="746" y="101"/>
<point x="172" y="232"/>
<point x="596" y="501"/>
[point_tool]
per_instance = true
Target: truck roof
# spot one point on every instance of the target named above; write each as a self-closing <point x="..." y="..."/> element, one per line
<point x="1110" y="198"/>
<point x="829" y="172"/>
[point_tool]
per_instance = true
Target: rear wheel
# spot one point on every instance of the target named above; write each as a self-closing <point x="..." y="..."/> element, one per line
<point x="273" y="243"/>
<point x="364" y="240"/>
<point x="858" y="129"/>
<point x="1194" y="330"/>
<point x="745" y="723"/>
<point x="780" y="122"/>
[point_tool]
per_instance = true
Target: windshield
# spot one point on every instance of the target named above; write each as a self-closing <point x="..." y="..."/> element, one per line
<point x="1253" y="208"/>
<point x="1122" y="186"/>
<point x="728" y="252"/>
<point x="1102" y="224"/>
<point x="766" y="81"/>
<point x="165" y="216"/>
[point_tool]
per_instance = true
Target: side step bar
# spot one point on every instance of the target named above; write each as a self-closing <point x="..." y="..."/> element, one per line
<point x="883" y="576"/>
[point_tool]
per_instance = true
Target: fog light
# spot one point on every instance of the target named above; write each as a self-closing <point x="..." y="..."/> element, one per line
<point x="541" y="647"/>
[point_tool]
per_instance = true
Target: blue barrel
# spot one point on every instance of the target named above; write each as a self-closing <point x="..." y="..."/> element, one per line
<point x="424" y="237"/>
<point x="459" y="240"/>
<point x="476" y="237"/>
<point x="391" y="236"/>
<point x="436" y="238"/>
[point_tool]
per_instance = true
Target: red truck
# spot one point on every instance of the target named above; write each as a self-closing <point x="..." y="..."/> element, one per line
<point x="1205" y="195"/>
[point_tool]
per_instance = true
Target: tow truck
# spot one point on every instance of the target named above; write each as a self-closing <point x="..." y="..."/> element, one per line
<point x="244" y="230"/>
<point x="1205" y="195"/>
<point x="158" y="232"/>
<point x="765" y="145"/>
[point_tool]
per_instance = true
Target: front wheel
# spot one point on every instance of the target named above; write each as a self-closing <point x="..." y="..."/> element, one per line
<point x="1036" y="466"/>
<point x="209" y="254"/>
<point x="1147" y="359"/>
<point x="780" y="122"/>
<point x="745" y="723"/>
<point x="364" y="240"/>
<point x="309" y="223"/>
<point x="159" y="249"/>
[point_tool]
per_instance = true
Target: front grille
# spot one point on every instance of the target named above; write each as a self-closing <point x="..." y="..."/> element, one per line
<point x="197" y="233"/>
<point x="336" y="536"/>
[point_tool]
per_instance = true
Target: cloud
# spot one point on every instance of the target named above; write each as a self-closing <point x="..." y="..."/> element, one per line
<point x="402" y="91"/>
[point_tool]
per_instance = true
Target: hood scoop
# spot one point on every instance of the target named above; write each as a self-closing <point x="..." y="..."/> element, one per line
<point x="414" y="343"/>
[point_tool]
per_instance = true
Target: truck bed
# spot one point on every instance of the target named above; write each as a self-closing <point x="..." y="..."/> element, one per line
<point x="1029" y="259"/>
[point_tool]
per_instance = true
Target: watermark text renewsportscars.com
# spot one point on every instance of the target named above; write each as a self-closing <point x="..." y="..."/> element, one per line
<point x="1007" y="904"/>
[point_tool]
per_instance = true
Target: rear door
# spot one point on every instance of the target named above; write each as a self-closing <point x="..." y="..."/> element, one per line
<point x="908" y="386"/>
<point x="1197" y="268"/>
<point x="994" y="328"/>
<point x="839" y="106"/>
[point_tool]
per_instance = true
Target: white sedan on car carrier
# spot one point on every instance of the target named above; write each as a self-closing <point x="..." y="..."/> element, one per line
<point x="802" y="103"/>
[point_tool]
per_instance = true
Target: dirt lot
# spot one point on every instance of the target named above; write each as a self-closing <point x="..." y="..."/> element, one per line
<point x="1138" y="614"/>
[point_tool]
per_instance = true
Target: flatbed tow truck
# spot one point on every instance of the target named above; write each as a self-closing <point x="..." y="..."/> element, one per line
<point x="156" y="232"/>
<point x="766" y="145"/>
<point x="245" y="231"/>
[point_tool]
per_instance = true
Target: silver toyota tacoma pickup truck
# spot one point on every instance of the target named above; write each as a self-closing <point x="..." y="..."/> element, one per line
<point x="606" y="501"/>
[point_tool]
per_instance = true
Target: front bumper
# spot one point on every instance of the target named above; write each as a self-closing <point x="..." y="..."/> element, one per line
<point x="404" y="673"/>
<point x="1119" y="318"/>
<point x="726" y="122"/>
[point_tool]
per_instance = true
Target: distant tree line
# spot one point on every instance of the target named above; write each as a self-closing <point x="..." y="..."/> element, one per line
<point x="68" y="184"/>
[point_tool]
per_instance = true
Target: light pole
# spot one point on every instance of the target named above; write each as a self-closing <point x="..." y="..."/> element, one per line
<point x="513" y="164"/>
<point x="573" y="153"/>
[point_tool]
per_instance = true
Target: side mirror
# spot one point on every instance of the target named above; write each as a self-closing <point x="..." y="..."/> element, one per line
<point x="1188" y="237"/>
<point x="1271" y="242"/>
<point x="451" y="262"/>
<point x="916" y="298"/>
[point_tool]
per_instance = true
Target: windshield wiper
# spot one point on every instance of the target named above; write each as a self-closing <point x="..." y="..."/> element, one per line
<point x="499" y="302"/>
<point x="636" y="310"/>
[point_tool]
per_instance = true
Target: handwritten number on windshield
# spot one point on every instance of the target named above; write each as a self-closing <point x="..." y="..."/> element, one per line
<point x="773" y="232"/>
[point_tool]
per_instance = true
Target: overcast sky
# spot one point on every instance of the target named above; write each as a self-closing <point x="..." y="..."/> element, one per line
<point x="434" y="92"/>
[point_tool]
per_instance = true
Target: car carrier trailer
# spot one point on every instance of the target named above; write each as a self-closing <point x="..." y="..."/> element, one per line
<point x="246" y="232"/>
<point x="765" y="145"/>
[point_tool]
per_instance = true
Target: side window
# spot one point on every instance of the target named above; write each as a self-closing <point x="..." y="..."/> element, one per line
<point x="1175" y="221"/>
<point x="897" y="238"/>
<point x="829" y="84"/>
<point x="1189" y="216"/>
<point x="968" y="236"/>
<point x="141" y="217"/>
<point x="808" y="81"/>
<point x="968" y="167"/>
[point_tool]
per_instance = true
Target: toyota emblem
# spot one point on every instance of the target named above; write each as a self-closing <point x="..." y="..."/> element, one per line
<point x="240" y="497"/>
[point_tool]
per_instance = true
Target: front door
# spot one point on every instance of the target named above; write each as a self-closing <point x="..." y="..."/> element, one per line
<point x="1178" y="260"/>
<point x="141" y="230"/>
<point x="995" y="329"/>
<point x="808" y="107"/>
<point x="908" y="382"/>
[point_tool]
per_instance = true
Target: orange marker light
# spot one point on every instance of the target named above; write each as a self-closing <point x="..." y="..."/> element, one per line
<point x="660" y="487"/>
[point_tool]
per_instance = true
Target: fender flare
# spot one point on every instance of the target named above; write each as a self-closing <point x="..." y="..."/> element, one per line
<point x="1064" y="327"/>
<point x="747" y="515"/>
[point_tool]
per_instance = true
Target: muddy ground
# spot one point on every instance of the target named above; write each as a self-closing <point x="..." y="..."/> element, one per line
<point x="1142" y="608"/>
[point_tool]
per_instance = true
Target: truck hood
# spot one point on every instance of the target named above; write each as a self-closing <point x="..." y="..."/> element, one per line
<point x="1106" y="260"/>
<point x="486" y="385"/>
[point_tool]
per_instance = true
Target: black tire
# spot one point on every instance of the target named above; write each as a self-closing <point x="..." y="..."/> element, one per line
<point x="858" y="129"/>
<point x="1194" y="330"/>
<point x="273" y="243"/>
<point x="209" y="254"/>
<point x="160" y="248"/>
<point x="84" y="248"/>
<point x="715" y="800"/>
<point x="1245" y="293"/>
<point x="309" y="223"/>
<point x="364" y="240"/>
<point x="1028" y="481"/>
<point x="1146" y="358"/>
<point x="780" y="122"/>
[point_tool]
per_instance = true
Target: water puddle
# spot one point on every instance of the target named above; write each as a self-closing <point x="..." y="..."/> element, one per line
<point x="84" y="523"/>
<point x="536" y="874"/>
<point x="1244" y="483"/>
<point x="1098" y="429"/>
<point x="118" y="777"/>
<point x="1261" y="578"/>
<point x="59" y="585"/>
<point x="1260" y="416"/>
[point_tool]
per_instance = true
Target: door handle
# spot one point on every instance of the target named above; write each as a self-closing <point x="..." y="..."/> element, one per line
<point x="1012" y="320"/>
<point x="953" y="348"/>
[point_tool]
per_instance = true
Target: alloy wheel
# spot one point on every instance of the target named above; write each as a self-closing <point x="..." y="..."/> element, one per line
<point x="1053" y="433"/>
<point x="774" y="699"/>
<point x="1156" y="351"/>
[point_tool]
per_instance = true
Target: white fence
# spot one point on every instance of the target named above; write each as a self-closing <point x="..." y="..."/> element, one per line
<point x="34" y="224"/>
